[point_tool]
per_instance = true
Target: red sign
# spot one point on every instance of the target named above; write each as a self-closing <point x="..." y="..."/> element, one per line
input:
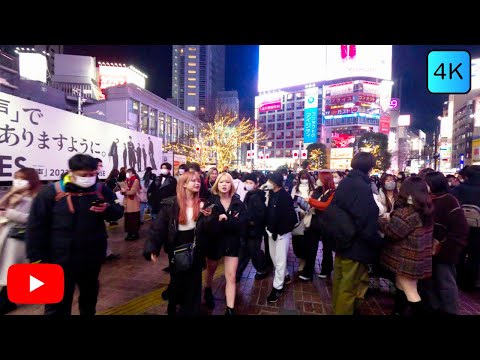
<point x="271" y="103"/>
<point x="342" y="140"/>
<point x="35" y="283"/>
<point x="367" y="98"/>
<point x="384" y="125"/>
<point x="341" y="99"/>
<point x="295" y="154"/>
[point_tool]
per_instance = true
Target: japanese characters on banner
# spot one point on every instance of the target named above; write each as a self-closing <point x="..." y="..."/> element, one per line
<point x="384" y="125"/>
<point x="45" y="138"/>
<point x="270" y="102"/>
<point x="310" y="115"/>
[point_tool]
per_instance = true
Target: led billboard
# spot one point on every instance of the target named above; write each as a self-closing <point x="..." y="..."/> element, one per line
<point x="33" y="66"/>
<point x="282" y="66"/>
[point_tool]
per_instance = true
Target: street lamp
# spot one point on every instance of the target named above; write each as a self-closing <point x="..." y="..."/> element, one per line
<point x="267" y="145"/>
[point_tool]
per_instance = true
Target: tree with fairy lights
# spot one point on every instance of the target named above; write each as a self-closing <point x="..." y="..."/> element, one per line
<point x="220" y="139"/>
<point x="377" y="144"/>
<point x="317" y="156"/>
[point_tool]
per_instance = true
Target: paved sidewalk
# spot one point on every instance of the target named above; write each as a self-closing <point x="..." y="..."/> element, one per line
<point x="133" y="286"/>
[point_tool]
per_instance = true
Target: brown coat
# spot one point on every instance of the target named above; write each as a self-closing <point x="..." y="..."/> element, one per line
<point x="408" y="251"/>
<point x="132" y="205"/>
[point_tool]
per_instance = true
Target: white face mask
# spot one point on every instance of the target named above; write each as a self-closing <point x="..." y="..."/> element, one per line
<point x="249" y="187"/>
<point x="410" y="200"/>
<point x="269" y="185"/>
<point x="336" y="180"/>
<point x="20" y="184"/>
<point x="303" y="181"/>
<point x="85" y="182"/>
<point x="164" y="171"/>
<point x="318" y="182"/>
<point x="181" y="171"/>
<point x="284" y="177"/>
<point x="390" y="186"/>
<point x="128" y="175"/>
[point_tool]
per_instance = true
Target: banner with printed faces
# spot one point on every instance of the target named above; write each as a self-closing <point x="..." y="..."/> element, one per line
<point x="45" y="138"/>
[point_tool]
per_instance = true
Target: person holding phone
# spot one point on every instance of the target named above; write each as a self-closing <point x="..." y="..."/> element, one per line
<point x="182" y="219"/>
<point x="231" y="220"/>
<point x="67" y="227"/>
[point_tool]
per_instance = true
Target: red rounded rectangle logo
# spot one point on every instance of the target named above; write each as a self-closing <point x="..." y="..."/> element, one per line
<point x="35" y="283"/>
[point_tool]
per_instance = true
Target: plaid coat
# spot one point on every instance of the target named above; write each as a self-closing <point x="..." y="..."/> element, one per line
<point x="408" y="251"/>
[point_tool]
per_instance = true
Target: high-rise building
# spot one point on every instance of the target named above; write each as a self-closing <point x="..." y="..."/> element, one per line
<point x="227" y="103"/>
<point x="198" y="74"/>
<point x="51" y="50"/>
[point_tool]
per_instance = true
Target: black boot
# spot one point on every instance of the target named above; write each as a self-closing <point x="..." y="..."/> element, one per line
<point x="401" y="303"/>
<point x="5" y="304"/>
<point x="209" y="299"/>
<point x="229" y="311"/>
<point x="418" y="308"/>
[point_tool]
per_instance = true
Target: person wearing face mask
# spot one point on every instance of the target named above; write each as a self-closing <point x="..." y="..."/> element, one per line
<point x="181" y="170"/>
<point x="337" y="177"/>
<point x="162" y="187"/>
<point x="287" y="179"/>
<point x="304" y="189"/>
<point x="281" y="219"/>
<point x="14" y="209"/>
<point x="256" y="210"/>
<point x="131" y="202"/>
<point x="400" y="179"/>
<point x="67" y="227"/>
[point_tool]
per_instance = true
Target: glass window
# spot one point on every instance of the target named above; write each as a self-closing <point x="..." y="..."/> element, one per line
<point x="280" y="126"/>
<point x="168" y="129"/>
<point x="144" y="119"/>
<point x="153" y="122"/>
<point x="289" y="144"/>
<point x="161" y="124"/>
<point x="174" y="130"/>
<point x="279" y="145"/>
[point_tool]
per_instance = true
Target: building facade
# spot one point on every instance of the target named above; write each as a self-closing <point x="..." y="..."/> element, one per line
<point x="138" y="109"/>
<point x="52" y="51"/>
<point x="198" y="74"/>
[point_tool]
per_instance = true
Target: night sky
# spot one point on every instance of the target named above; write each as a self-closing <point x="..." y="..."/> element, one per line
<point x="409" y="73"/>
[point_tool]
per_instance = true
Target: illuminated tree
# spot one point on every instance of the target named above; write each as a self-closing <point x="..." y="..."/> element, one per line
<point x="377" y="144"/>
<point x="317" y="156"/>
<point x="220" y="139"/>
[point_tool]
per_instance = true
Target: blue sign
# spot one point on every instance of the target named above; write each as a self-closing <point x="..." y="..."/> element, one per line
<point x="310" y="125"/>
<point x="462" y="161"/>
<point x="448" y="72"/>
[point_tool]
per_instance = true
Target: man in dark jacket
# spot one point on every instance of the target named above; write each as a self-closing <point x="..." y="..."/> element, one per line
<point x="354" y="196"/>
<point x="281" y="219"/>
<point x="66" y="226"/>
<point x="251" y="247"/>
<point x="164" y="186"/>
<point x="468" y="193"/>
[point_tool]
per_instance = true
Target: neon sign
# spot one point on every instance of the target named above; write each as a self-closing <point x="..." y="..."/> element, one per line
<point x="342" y="140"/>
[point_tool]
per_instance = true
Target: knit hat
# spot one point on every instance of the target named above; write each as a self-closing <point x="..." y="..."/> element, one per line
<point x="276" y="177"/>
<point x="251" y="177"/>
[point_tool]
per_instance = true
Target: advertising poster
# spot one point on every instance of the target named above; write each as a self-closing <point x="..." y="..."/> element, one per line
<point x="44" y="138"/>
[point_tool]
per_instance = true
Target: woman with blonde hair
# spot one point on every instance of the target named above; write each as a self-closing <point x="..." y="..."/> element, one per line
<point x="14" y="210"/>
<point x="229" y="213"/>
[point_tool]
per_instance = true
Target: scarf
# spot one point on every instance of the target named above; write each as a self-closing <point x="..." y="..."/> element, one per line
<point x="130" y="182"/>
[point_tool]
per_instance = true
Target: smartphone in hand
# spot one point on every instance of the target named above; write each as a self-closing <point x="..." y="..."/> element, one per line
<point x="98" y="202"/>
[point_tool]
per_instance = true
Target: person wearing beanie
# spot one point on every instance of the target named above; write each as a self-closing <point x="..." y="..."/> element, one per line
<point x="281" y="219"/>
<point x="251" y="247"/>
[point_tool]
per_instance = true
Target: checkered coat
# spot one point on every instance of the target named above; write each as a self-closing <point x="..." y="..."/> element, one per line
<point x="408" y="251"/>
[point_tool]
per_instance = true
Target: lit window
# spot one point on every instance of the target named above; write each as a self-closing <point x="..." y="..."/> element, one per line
<point x="192" y="64"/>
<point x="192" y="93"/>
<point x="192" y="49"/>
<point x="192" y="79"/>
<point x="191" y="108"/>
<point x="192" y="56"/>
<point x="192" y="71"/>
<point x="191" y="86"/>
<point x="181" y="51"/>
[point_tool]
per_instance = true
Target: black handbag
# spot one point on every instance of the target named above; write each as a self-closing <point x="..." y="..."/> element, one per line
<point x="183" y="257"/>
<point x="17" y="232"/>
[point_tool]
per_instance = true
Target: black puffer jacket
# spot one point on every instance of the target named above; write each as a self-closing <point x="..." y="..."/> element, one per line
<point x="156" y="192"/>
<point x="74" y="241"/>
<point x="354" y="195"/>
<point x="256" y="213"/>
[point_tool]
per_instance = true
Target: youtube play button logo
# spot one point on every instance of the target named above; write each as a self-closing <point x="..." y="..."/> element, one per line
<point x="35" y="283"/>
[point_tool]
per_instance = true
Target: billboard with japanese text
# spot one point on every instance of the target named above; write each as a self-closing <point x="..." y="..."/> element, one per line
<point x="310" y="115"/>
<point x="44" y="138"/>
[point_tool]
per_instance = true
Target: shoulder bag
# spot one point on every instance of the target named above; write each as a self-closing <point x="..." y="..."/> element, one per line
<point x="183" y="256"/>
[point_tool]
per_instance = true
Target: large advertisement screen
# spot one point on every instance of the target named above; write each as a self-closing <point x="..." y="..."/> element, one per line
<point x="282" y="66"/>
<point x="33" y="66"/>
<point x="44" y="138"/>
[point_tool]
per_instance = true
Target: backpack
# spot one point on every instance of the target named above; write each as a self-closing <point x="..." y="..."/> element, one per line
<point x="337" y="228"/>
<point x="60" y="194"/>
<point x="472" y="213"/>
